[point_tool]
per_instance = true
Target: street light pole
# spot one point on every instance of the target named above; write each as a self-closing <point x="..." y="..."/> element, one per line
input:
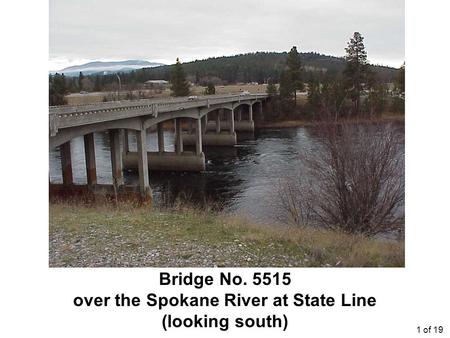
<point x="120" y="87"/>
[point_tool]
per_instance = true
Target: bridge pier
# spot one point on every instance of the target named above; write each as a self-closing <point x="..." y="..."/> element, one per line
<point x="231" y="119"/>
<point x="216" y="138"/>
<point x="198" y="137"/>
<point x="125" y="140"/>
<point x="89" y="154"/>
<point x="218" y="121"/>
<point x="66" y="164"/>
<point x="116" y="157"/>
<point x="235" y="122"/>
<point x="142" y="162"/>
<point x="178" y="136"/>
<point x="180" y="160"/>
<point x="160" y="132"/>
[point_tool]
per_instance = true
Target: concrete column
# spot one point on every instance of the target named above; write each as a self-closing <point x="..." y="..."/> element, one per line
<point x="66" y="163"/>
<point x="160" y="137"/>
<point x="250" y="112"/>
<point x="231" y="121"/>
<point x="261" y="109"/>
<point x="89" y="154"/>
<point x="218" y="122"/>
<point x="198" y="136"/>
<point x="239" y="114"/>
<point x="178" y="137"/>
<point x="144" y="185"/>
<point x="204" y="123"/>
<point x="190" y="126"/>
<point x="116" y="157"/>
<point x="126" y="145"/>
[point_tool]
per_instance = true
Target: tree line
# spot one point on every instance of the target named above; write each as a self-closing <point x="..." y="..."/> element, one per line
<point x="355" y="90"/>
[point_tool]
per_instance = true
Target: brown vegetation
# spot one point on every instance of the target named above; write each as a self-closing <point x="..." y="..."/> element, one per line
<point x="354" y="181"/>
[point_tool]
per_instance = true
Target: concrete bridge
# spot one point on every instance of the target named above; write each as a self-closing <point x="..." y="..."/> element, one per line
<point x="204" y="120"/>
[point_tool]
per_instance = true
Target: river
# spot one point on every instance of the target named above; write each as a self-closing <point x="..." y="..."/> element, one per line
<point x="242" y="180"/>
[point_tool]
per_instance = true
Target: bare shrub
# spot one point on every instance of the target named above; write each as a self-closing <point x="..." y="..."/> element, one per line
<point x="354" y="180"/>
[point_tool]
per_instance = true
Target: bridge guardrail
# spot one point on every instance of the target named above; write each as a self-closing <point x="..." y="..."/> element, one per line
<point x="64" y="116"/>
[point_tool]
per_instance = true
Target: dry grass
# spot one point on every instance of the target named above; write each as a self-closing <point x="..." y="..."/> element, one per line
<point x="136" y="236"/>
<point x="97" y="97"/>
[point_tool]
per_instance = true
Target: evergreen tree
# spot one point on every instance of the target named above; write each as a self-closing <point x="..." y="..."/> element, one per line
<point x="294" y="65"/>
<point x="179" y="85"/>
<point x="97" y="85"/>
<point x="356" y="68"/>
<point x="400" y="83"/>
<point x="398" y="99"/>
<point x="286" y="92"/>
<point x="57" y="89"/>
<point x="80" y="81"/>
<point x="314" y="95"/>
<point x="271" y="89"/>
<point x="210" y="89"/>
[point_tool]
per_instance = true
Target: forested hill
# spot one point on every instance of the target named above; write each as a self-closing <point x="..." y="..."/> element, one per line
<point x="252" y="67"/>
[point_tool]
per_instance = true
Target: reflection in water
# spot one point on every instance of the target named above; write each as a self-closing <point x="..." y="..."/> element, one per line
<point x="242" y="180"/>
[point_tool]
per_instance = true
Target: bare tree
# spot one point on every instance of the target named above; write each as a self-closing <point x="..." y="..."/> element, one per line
<point x="355" y="180"/>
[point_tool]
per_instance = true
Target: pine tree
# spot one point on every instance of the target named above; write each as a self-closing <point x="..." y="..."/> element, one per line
<point x="57" y="89"/>
<point x="179" y="85"/>
<point x="97" y="85"/>
<point x="80" y="81"/>
<point x="400" y="83"/>
<point x="314" y="95"/>
<point x="286" y="91"/>
<point x="294" y="65"/>
<point x="356" y="69"/>
<point x="210" y="89"/>
<point x="271" y="89"/>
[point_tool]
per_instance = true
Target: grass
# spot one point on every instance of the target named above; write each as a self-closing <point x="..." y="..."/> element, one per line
<point x="89" y="236"/>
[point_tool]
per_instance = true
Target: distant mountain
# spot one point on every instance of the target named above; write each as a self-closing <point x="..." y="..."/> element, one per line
<point x="108" y="67"/>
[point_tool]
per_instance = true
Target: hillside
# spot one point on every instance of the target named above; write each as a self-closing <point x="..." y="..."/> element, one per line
<point x="252" y="67"/>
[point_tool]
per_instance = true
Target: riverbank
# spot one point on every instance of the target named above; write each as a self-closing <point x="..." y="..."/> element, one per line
<point x="303" y="123"/>
<point x="127" y="236"/>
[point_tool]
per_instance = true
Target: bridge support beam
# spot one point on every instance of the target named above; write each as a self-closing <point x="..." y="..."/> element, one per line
<point x="198" y="137"/>
<point x="160" y="129"/>
<point x="142" y="161"/>
<point x="89" y="154"/>
<point x="250" y="112"/>
<point x="66" y="164"/>
<point x="126" y="145"/>
<point x="204" y="123"/>
<point x="178" y="137"/>
<point x="231" y="121"/>
<point x="116" y="157"/>
<point x="218" y="122"/>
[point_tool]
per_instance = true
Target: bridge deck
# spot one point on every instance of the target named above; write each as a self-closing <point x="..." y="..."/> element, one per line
<point x="70" y="116"/>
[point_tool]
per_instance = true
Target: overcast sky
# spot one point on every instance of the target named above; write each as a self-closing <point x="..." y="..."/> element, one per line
<point x="87" y="30"/>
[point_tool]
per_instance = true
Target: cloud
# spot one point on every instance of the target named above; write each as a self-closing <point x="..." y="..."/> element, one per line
<point x="164" y="30"/>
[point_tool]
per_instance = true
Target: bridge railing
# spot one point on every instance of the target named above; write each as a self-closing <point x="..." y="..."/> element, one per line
<point x="68" y="116"/>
